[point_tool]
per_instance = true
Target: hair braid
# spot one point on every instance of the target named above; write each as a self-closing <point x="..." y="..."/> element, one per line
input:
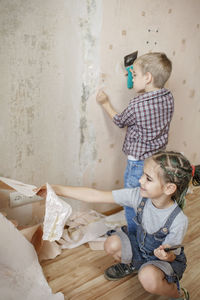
<point x="178" y="170"/>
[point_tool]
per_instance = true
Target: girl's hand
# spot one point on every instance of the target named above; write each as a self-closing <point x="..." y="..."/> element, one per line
<point x="102" y="97"/>
<point x="41" y="191"/>
<point x="163" y="255"/>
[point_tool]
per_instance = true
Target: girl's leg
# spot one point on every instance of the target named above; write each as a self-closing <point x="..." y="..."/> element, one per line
<point x="153" y="281"/>
<point x="112" y="246"/>
<point x="132" y="175"/>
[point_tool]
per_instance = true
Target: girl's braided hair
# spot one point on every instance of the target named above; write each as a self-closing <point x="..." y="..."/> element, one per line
<point x="178" y="170"/>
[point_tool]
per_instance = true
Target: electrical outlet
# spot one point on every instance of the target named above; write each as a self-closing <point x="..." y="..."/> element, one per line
<point x="17" y="199"/>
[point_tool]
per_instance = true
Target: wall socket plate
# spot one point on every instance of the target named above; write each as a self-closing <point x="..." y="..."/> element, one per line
<point x="18" y="199"/>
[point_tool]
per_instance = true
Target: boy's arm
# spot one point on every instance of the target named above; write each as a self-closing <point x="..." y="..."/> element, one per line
<point x="79" y="193"/>
<point x="103" y="100"/>
<point x="126" y="118"/>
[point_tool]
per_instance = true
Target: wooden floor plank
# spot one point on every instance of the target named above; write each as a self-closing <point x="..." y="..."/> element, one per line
<point x="78" y="273"/>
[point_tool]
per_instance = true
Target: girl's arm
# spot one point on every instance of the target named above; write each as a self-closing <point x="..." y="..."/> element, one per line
<point x="163" y="255"/>
<point x="174" y="237"/>
<point x="79" y="193"/>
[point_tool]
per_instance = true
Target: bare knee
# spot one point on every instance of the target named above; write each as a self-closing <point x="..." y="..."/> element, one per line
<point x="112" y="244"/>
<point x="149" y="277"/>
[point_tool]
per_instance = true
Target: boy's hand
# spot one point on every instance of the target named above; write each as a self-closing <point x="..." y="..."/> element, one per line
<point x="102" y="97"/>
<point x="163" y="255"/>
<point x="123" y="69"/>
<point x="41" y="191"/>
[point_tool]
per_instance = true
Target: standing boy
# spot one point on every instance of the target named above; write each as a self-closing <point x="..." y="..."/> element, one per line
<point x="147" y="119"/>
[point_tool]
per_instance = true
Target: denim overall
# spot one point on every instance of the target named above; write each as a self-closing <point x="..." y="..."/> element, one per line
<point x="133" y="173"/>
<point x="144" y="243"/>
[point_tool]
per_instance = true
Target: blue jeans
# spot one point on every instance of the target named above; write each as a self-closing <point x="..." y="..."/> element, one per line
<point x="133" y="172"/>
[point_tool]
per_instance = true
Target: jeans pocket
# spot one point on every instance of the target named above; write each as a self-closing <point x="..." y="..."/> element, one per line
<point x="132" y="174"/>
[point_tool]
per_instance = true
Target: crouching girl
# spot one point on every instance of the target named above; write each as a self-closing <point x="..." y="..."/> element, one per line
<point x="160" y="221"/>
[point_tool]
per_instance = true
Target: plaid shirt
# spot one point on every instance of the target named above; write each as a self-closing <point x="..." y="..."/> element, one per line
<point x="147" y="118"/>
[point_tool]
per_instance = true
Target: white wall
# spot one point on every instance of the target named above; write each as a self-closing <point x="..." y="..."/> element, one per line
<point x="54" y="55"/>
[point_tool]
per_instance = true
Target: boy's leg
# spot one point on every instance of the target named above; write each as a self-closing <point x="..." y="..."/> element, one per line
<point x="133" y="173"/>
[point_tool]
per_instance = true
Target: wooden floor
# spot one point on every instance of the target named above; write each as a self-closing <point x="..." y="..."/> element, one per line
<point x="78" y="273"/>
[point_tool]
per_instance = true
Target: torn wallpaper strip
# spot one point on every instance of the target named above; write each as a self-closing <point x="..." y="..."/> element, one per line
<point x="83" y="227"/>
<point x="85" y="234"/>
<point x="23" y="188"/>
<point x="57" y="212"/>
<point x="89" y="226"/>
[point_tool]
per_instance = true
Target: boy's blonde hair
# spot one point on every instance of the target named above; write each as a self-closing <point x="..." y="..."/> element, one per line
<point x="158" y="64"/>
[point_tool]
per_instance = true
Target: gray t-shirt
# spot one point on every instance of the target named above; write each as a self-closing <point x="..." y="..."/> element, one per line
<point x="154" y="218"/>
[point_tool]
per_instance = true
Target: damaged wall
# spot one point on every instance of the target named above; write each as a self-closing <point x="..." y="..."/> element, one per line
<point x="54" y="55"/>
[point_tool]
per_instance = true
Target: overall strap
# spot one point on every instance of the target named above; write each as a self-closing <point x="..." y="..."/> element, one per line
<point x="172" y="216"/>
<point x="140" y="209"/>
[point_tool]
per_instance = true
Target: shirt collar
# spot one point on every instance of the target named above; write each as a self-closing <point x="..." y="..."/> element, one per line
<point x="152" y="94"/>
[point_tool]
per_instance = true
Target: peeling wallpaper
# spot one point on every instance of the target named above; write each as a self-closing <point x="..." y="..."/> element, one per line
<point x="89" y="36"/>
<point x="54" y="55"/>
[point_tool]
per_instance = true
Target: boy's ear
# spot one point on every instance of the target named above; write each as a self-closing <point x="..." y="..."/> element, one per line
<point x="170" y="188"/>
<point x="149" y="77"/>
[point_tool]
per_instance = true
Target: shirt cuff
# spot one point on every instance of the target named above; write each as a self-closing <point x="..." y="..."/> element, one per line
<point x="117" y="121"/>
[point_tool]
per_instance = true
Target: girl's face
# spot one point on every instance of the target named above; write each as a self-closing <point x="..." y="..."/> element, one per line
<point x="151" y="183"/>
